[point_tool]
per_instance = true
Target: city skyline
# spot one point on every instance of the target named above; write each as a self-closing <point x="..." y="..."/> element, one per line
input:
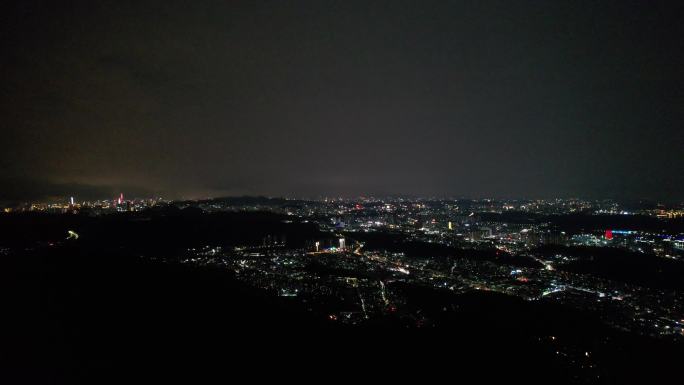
<point x="96" y="195"/>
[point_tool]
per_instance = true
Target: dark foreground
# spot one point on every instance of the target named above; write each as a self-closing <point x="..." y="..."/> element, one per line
<point x="77" y="318"/>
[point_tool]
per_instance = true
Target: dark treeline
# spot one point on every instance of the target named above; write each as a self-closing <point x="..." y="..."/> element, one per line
<point x="576" y="223"/>
<point x="153" y="232"/>
<point x="621" y="265"/>
<point x="395" y="242"/>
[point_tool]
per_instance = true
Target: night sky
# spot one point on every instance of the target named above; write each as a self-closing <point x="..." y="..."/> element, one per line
<point x="342" y="98"/>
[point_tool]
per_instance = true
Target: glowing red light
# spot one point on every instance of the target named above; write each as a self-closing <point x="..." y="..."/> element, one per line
<point x="609" y="234"/>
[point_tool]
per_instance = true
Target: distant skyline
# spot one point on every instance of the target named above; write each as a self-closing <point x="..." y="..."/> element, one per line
<point x="61" y="193"/>
<point x="473" y="99"/>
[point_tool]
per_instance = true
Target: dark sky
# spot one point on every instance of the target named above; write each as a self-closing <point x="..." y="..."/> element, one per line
<point x="305" y="98"/>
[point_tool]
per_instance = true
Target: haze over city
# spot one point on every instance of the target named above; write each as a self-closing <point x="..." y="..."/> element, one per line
<point x="343" y="98"/>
